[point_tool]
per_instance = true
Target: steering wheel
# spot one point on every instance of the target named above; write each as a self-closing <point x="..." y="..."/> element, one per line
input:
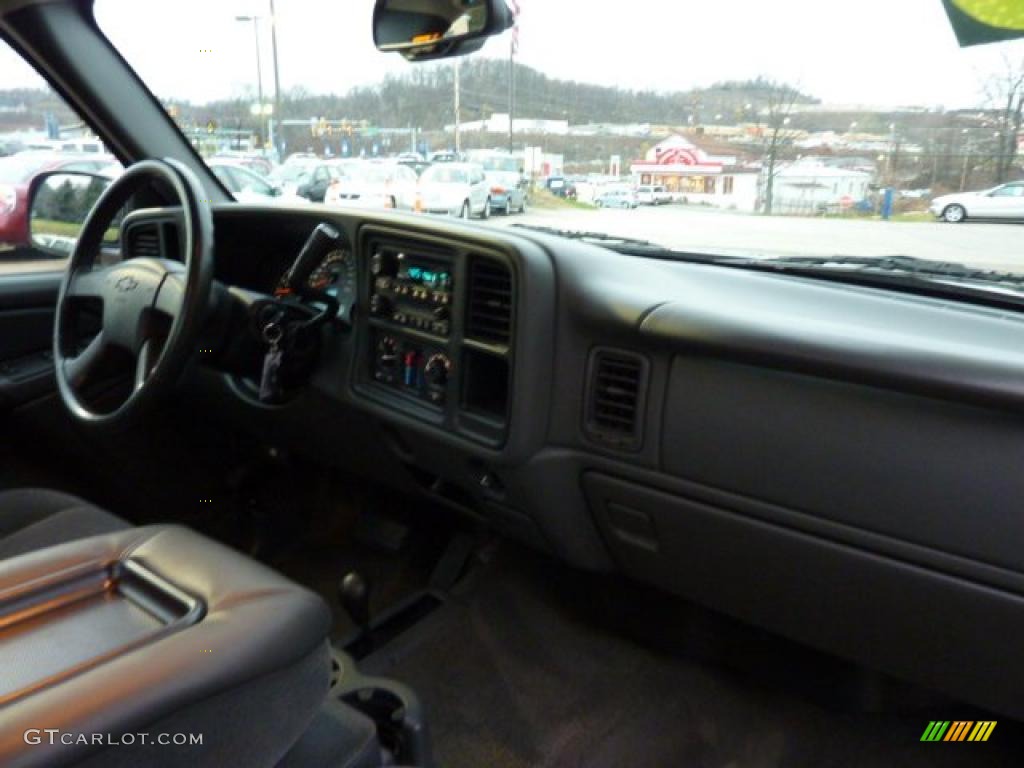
<point x="139" y="296"/>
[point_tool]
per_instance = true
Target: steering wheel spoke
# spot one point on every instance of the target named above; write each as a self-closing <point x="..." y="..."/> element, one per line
<point x="171" y="296"/>
<point x="144" y="362"/>
<point x="87" y="283"/>
<point x="82" y="367"/>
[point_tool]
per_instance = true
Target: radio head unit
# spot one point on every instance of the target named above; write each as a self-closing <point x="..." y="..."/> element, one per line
<point x="412" y="290"/>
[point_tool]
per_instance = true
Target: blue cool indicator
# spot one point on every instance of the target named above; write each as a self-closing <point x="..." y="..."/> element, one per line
<point x="411" y="371"/>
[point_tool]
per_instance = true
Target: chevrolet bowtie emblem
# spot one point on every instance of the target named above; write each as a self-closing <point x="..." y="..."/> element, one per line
<point x="126" y="283"/>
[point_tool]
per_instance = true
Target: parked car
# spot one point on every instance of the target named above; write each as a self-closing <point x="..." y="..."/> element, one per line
<point x="446" y="156"/>
<point x="647" y="194"/>
<point x="1003" y="202"/>
<point x="258" y="163"/>
<point x="16" y="175"/>
<point x="247" y="186"/>
<point x="457" y="189"/>
<point x="373" y="184"/>
<point x="561" y="187"/>
<point x="305" y="178"/>
<point x="505" y="177"/>
<point x="616" y="198"/>
<point x="417" y="166"/>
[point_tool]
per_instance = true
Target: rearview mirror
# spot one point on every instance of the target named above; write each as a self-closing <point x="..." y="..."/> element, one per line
<point x="58" y="205"/>
<point x="434" y="29"/>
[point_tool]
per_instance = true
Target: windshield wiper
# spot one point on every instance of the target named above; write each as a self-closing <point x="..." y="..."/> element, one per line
<point x="906" y="265"/>
<point x="601" y="238"/>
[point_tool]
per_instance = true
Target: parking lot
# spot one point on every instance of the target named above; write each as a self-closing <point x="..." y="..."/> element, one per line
<point x="991" y="246"/>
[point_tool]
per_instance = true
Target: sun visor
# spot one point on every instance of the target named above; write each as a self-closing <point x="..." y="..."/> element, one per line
<point x="976" y="22"/>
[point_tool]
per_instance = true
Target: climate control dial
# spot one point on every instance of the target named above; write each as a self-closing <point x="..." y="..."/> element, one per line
<point x="436" y="372"/>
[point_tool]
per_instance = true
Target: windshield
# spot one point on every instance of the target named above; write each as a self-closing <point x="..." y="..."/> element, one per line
<point x="773" y="131"/>
<point x="292" y="172"/>
<point x="508" y="164"/>
<point x="444" y="174"/>
<point x="373" y="174"/>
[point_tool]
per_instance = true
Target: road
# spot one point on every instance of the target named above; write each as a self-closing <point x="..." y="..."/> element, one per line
<point x="991" y="246"/>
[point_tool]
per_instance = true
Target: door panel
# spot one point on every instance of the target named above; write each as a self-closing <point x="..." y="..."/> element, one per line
<point x="26" y="328"/>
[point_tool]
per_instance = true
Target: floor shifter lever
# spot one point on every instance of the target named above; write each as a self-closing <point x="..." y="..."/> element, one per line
<point x="354" y="594"/>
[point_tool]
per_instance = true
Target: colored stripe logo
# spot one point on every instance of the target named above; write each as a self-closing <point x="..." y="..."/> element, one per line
<point x="958" y="730"/>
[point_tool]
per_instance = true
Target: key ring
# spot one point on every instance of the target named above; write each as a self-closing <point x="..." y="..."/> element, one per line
<point x="273" y="333"/>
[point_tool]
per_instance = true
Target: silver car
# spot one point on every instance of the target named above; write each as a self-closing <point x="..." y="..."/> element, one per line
<point x="458" y="189"/>
<point x="1003" y="202"/>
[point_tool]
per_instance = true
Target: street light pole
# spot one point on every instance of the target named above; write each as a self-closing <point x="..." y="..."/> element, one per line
<point x="259" y="70"/>
<point x="277" y="80"/>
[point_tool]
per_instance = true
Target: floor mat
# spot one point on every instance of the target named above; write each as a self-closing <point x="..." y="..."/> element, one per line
<point x="532" y="664"/>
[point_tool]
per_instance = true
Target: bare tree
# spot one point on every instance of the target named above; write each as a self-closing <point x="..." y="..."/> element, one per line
<point x="1004" y="93"/>
<point x="776" y="134"/>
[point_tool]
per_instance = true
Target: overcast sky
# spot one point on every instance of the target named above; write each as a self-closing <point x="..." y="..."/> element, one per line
<point x="890" y="52"/>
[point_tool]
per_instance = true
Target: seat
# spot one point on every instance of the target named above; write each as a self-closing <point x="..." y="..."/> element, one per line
<point x="33" y="518"/>
<point x="109" y="629"/>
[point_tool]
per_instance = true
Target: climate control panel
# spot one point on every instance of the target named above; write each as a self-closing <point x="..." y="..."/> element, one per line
<point x="419" y="370"/>
<point x="412" y="290"/>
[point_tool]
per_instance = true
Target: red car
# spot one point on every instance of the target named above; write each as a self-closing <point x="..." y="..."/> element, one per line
<point x="16" y="174"/>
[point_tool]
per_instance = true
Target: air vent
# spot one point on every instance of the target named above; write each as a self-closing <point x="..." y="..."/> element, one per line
<point x="615" y="400"/>
<point x="489" y="316"/>
<point x="144" y="240"/>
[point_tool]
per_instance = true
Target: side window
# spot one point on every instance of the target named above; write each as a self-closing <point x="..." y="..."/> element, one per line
<point x="1010" y="190"/>
<point x="320" y="175"/>
<point x="251" y="182"/>
<point x="225" y="177"/>
<point x="35" y="127"/>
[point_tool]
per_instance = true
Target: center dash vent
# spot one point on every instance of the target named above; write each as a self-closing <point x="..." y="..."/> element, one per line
<point x="489" y="314"/>
<point x="615" y="398"/>
<point x="144" y="240"/>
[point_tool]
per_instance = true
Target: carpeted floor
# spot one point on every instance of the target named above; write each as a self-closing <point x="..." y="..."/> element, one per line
<point x="532" y="664"/>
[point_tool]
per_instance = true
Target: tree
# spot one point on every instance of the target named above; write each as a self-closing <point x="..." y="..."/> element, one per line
<point x="775" y="112"/>
<point x="1005" y="94"/>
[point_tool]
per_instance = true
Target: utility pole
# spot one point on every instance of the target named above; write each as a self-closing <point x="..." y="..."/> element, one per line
<point x="277" y="81"/>
<point x="513" y="48"/>
<point x="967" y="157"/>
<point x="457" y="140"/>
<point x="511" y="92"/>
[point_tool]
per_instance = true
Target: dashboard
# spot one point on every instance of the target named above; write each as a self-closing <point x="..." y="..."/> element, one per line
<point x="817" y="458"/>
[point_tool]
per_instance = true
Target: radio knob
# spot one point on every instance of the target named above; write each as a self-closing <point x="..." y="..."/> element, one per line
<point x="387" y="353"/>
<point x="379" y="305"/>
<point x="436" y="371"/>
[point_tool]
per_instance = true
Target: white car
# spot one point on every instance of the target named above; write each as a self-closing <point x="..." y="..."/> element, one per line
<point x="616" y="198"/>
<point x="373" y="184"/>
<point x="457" y="189"/>
<point x="1003" y="202"/>
<point x="652" y="195"/>
<point x="248" y="186"/>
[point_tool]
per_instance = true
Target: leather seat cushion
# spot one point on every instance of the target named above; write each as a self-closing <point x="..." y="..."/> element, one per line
<point x="33" y="518"/>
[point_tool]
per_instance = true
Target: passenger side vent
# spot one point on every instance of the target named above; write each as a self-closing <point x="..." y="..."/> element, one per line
<point x="615" y="398"/>
<point x="489" y="314"/>
<point x="144" y="240"/>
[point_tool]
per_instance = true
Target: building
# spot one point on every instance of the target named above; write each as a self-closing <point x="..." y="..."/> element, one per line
<point x="810" y="187"/>
<point x="498" y="123"/>
<point x="693" y="176"/>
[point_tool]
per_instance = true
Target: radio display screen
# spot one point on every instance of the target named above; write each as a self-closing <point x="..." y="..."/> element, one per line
<point x="424" y="273"/>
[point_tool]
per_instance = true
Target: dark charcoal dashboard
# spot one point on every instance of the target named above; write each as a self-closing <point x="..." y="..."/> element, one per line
<point x="839" y="464"/>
